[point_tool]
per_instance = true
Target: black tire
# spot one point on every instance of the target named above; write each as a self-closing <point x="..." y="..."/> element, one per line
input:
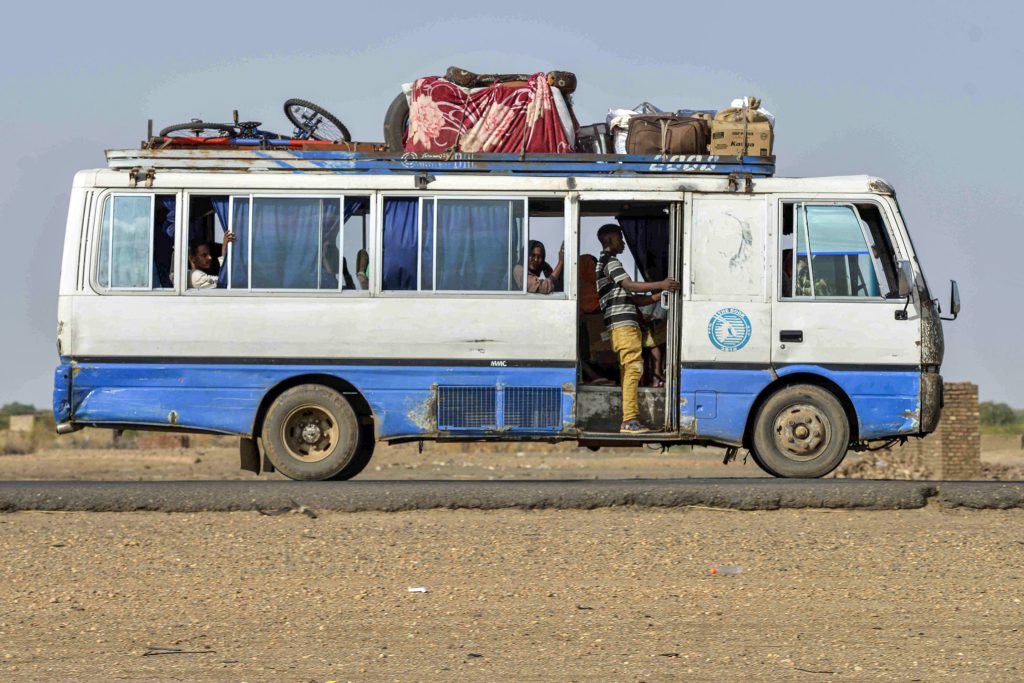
<point x="801" y="431"/>
<point x="316" y="121"/>
<point x="396" y="122"/>
<point x="364" y="452"/>
<point x="311" y="433"/>
<point x="199" y="129"/>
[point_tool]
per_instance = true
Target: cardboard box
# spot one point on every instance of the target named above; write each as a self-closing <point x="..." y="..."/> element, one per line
<point x="736" y="138"/>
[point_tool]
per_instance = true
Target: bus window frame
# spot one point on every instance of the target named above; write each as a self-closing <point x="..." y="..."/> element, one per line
<point x="274" y="293"/>
<point x="378" y="260"/>
<point x="94" y="232"/>
<point x="846" y="200"/>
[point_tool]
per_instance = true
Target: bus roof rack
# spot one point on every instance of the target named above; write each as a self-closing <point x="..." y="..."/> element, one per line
<point x="338" y="159"/>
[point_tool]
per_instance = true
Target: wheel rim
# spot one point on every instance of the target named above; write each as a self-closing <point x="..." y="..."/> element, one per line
<point x="310" y="433"/>
<point x="200" y="130"/>
<point x="802" y="432"/>
<point x="315" y="124"/>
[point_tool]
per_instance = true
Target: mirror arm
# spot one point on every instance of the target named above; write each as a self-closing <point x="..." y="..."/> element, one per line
<point x="902" y="315"/>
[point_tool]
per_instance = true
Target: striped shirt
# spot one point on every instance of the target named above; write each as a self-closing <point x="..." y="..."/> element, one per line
<point x="616" y="305"/>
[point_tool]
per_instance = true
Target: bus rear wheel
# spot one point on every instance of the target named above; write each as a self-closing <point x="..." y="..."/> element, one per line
<point x="311" y="433"/>
<point x="801" y="431"/>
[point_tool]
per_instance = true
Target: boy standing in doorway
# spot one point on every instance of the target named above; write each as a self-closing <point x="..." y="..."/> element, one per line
<point x="622" y="318"/>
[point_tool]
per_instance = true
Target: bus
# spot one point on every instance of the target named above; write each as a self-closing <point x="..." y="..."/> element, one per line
<point x="315" y="302"/>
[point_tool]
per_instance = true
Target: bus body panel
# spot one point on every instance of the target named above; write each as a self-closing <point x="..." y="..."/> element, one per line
<point x="717" y="401"/>
<point x="224" y="397"/>
<point x="208" y="360"/>
<point x="212" y="326"/>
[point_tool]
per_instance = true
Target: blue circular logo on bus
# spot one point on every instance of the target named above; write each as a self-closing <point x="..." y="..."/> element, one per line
<point x="729" y="329"/>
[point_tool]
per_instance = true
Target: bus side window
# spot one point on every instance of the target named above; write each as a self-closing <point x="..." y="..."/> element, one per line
<point x="829" y="250"/>
<point x="136" y="250"/>
<point x="296" y="243"/>
<point x="475" y="246"/>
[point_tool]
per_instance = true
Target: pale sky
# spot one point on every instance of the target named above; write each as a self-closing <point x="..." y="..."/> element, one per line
<point x="926" y="95"/>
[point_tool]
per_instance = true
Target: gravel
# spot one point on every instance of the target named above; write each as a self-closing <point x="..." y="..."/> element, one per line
<point x="615" y="594"/>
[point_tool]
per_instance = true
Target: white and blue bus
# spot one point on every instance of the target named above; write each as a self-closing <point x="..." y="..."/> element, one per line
<point x="371" y="297"/>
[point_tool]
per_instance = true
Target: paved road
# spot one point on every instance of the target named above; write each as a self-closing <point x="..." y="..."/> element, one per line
<point x="358" y="496"/>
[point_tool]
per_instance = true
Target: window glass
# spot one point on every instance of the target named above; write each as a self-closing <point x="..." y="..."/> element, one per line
<point x="831" y="257"/>
<point x="475" y="246"/>
<point x="208" y="220"/>
<point x="136" y="243"/>
<point x="288" y="239"/>
<point x="355" y="244"/>
<point x="479" y="242"/>
<point x="881" y="248"/>
<point x="308" y="243"/>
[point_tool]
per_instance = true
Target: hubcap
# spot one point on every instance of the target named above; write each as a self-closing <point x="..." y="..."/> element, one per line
<point x="802" y="432"/>
<point x="310" y="433"/>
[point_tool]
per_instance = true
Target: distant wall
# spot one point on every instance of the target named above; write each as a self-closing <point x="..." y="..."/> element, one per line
<point x="22" y="423"/>
<point x="953" y="451"/>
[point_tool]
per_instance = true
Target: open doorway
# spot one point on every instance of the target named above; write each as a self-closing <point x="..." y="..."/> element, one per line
<point x="648" y="230"/>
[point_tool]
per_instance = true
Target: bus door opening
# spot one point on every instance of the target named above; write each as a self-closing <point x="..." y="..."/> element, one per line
<point x="646" y="229"/>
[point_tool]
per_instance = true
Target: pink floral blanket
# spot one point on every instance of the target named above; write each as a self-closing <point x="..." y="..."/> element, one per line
<point x="499" y="118"/>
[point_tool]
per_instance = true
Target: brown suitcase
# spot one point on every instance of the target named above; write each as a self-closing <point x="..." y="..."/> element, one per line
<point x="667" y="134"/>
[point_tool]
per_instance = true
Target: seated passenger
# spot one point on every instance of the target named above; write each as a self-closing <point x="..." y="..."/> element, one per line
<point x="363" y="269"/>
<point x="542" y="278"/>
<point x="204" y="267"/>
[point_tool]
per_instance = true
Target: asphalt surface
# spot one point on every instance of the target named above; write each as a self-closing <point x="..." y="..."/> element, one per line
<point x="390" y="496"/>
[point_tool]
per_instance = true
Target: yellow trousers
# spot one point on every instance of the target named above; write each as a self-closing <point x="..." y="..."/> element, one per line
<point x="627" y="342"/>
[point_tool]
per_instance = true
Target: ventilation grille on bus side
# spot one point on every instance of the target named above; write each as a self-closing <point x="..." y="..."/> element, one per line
<point x="494" y="408"/>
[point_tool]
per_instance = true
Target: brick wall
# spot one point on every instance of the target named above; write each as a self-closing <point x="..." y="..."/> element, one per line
<point x="953" y="450"/>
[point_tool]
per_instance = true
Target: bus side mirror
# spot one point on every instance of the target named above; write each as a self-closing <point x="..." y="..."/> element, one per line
<point x="954" y="300"/>
<point x="905" y="277"/>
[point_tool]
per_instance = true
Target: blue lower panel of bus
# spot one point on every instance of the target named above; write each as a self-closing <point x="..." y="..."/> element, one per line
<point x="225" y="397"/>
<point x="716" y="401"/>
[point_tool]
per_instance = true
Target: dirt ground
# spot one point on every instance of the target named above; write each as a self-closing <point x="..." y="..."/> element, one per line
<point x="611" y="595"/>
<point x="159" y="457"/>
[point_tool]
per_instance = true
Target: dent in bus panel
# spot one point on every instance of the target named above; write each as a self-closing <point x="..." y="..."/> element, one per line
<point x="887" y="403"/>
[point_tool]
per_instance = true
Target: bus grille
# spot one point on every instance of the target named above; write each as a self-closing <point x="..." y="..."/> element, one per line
<point x="494" y="408"/>
<point x="532" y="407"/>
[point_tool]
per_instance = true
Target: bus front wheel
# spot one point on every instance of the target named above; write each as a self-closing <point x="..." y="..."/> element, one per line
<point x="801" y="431"/>
<point x="311" y="433"/>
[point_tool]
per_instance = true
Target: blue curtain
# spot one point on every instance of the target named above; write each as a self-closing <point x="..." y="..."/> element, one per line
<point x="163" y="242"/>
<point x="475" y="240"/>
<point x="400" y="248"/>
<point x="220" y="207"/>
<point x="647" y="239"/>
<point x="240" y="247"/>
<point x="285" y="252"/>
<point x="286" y="243"/>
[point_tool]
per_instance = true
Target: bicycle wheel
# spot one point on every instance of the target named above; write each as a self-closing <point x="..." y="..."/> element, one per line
<point x="315" y="121"/>
<point x="199" y="129"/>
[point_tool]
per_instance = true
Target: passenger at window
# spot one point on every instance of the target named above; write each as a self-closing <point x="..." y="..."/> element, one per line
<point x="622" y="318"/>
<point x="204" y="267"/>
<point x="542" y="278"/>
<point x="330" y="268"/>
<point x="363" y="269"/>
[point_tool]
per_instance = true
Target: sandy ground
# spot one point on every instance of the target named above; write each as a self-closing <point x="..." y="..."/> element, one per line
<point x="611" y="594"/>
<point x="217" y="458"/>
<point x="437" y="461"/>
<point x="616" y="595"/>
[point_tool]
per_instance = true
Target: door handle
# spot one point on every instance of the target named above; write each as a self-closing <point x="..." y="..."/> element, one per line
<point x="794" y="336"/>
